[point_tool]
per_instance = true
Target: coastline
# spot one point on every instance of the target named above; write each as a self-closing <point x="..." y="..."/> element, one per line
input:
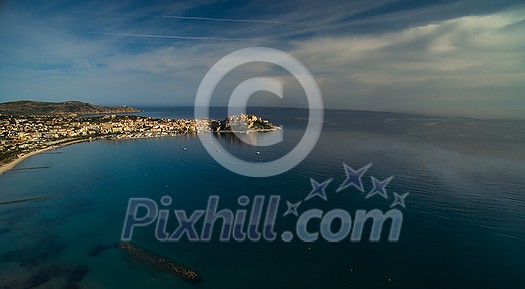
<point x="9" y="166"/>
<point x="61" y="143"/>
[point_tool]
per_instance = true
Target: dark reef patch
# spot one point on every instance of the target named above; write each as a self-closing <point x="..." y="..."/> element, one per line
<point x="99" y="249"/>
<point x="43" y="251"/>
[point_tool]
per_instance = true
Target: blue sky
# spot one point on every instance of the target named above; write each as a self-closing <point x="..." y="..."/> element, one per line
<point x="463" y="58"/>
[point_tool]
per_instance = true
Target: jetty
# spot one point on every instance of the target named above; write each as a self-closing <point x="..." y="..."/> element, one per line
<point x="158" y="263"/>
<point x="33" y="168"/>
<point x="27" y="200"/>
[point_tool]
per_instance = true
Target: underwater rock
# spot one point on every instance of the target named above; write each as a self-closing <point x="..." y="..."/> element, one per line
<point x="42" y="277"/>
<point x="44" y="250"/>
<point x="99" y="249"/>
<point x="78" y="273"/>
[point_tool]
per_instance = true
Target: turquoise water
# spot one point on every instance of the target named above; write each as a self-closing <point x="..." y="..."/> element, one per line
<point x="464" y="224"/>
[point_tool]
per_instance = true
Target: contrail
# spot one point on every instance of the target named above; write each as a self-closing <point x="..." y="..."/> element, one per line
<point x="167" y="36"/>
<point x="223" y="19"/>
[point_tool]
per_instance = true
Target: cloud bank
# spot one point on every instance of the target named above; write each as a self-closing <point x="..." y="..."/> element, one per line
<point x="452" y="58"/>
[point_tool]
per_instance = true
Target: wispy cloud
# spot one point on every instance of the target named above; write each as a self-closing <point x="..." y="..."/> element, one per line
<point x="222" y="19"/>
<point x="460" y="57"/>
<point x="166" y="36"/>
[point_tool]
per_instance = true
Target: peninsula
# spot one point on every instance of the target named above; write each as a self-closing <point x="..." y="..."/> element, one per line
<point x="22" y="136"/>
<point x="71" y="108"/>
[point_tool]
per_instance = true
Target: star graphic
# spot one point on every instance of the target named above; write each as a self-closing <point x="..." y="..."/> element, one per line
<point x="353" y="177"/>
<point x="292" y="208"/>
<point x="399" y="199"/>
<point x="379" y="187"/>
<point x="318" y="189"/>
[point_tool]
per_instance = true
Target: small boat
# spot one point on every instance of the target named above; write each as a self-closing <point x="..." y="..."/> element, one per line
<point x="257" y="152"/>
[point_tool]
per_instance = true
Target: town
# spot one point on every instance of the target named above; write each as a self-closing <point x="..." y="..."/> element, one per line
<point x="20" y="135"/>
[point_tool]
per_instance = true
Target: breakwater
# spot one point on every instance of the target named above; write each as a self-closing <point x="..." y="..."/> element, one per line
<point x="158" y="263"/>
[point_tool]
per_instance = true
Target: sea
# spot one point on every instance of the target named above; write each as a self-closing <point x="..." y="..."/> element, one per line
<point x="463" y="218"/>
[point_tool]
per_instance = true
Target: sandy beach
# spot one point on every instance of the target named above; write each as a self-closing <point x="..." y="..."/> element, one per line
<point x="9" y="166"/>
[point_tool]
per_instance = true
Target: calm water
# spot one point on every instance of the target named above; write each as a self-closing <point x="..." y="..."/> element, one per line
<point x="464" y="224"/>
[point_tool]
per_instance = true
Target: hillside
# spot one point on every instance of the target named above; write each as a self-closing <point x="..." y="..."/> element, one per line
<point x="25" y="107"/>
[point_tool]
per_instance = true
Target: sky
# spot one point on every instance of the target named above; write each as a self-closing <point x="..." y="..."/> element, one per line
<point x="461" y="58"/>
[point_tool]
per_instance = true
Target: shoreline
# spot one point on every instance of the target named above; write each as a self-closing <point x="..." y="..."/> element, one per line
<point x="11" y="165"/>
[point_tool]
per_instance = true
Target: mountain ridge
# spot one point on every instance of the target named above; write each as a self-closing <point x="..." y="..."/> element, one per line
<point x="30" y="107"/>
